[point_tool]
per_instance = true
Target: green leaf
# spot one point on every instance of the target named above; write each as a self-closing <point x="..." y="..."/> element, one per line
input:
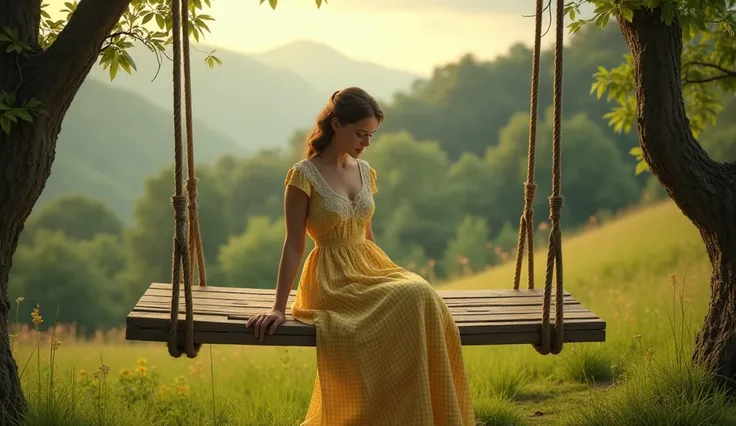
<point x="641" y="167"/>
<point x="147" y="17"/>
<point x="5" y="124"/>
<point x="23" y="114"/>
<point x="273" y="3"/>
<point x="114" y="65"/>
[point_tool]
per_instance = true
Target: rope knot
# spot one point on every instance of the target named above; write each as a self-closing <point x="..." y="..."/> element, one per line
<point x="530" y="190"/>
<point x="555" y="208"/>
<point x="192" y="188"/>
<point x="180" y="206"/>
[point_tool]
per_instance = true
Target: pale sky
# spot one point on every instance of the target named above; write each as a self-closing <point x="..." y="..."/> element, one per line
<point x="414" y="35"/>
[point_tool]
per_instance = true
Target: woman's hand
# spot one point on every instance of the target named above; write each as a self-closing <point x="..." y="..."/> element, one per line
<point x="273" y="317"/>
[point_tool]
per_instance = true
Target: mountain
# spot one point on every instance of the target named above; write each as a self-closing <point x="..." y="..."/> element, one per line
<point x="329" y="70"/>
<point x="252" y="103"/>
<point x="112" y="140"/>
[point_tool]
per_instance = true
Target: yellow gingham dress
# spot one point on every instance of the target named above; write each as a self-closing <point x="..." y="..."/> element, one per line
<point x="388" y="350"/>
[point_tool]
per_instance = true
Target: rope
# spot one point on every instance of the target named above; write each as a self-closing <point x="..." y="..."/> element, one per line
<point x="526" y="223"/>
<point x="185" y="246"/>
<point x="195" y="239"/>
<point x="552" y="337"/>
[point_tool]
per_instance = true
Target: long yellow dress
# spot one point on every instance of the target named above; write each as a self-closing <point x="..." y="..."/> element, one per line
<point x="388" y="350"/>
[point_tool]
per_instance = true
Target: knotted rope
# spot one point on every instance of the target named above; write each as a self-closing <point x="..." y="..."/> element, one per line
<point x="187" y="241"/>
<point x="526" y="223"/>
<point x="551" y="337"/>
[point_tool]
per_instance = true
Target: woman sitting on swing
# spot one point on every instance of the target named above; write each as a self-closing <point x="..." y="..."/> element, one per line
<point x="388" y="350"/>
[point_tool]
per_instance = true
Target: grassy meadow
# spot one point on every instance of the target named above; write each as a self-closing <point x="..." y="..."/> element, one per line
<point x="638" y="272"/>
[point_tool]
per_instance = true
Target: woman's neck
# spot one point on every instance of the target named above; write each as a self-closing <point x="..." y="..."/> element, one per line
<point x="332" y="157"/>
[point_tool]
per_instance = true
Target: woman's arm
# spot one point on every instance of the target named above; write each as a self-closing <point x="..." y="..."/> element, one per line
<point x="296" y="203"/>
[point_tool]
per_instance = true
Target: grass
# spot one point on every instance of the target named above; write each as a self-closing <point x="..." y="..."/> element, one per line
<point x="622" y="271"/>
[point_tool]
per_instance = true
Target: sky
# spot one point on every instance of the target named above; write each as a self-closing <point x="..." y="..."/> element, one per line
<point x="413" y="35"/>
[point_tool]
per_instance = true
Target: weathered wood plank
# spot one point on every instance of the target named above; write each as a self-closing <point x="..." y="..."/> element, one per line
<point x="213" y="337"/>
<point x="449" y="294"/>
<point x="225" y="299"/>
<point x="251" y="311"/>
<point x="471" y="326"/>
<point x="484" y="317"/>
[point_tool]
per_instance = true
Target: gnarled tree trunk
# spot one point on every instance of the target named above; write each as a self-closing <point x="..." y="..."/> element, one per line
<point x="704" y="190"/>
<point x="53" y="77"/>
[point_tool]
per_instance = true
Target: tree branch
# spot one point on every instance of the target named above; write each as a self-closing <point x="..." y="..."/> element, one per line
<point x="693" y="180"/>
<point x="61" y="69"/>
<point x="726" y="73"/>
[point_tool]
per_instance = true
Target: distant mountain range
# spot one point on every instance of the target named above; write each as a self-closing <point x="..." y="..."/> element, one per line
<point x="259" y="100"/>
<point x="328" y="70"/>
<point x="116" y="134"/>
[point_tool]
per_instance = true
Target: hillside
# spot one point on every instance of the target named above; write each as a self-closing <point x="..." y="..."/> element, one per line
<point x="328" y="70"/>
<point x="630" y="259"/>
<point x="111" y="140"/>
<point x="256" y="105"/>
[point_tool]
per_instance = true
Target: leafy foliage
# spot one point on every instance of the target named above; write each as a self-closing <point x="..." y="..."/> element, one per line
<point x="708" y="59"/>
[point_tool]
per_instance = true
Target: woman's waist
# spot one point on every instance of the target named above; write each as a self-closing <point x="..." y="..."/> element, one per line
<point x="339" y="241"/>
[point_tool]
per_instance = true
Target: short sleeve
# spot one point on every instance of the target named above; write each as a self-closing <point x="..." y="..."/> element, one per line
<point x="374" y="186"/>
<point x="295" y="177"/>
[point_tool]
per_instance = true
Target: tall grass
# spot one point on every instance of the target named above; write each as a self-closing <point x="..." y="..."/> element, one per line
<point x="665" y="388"/>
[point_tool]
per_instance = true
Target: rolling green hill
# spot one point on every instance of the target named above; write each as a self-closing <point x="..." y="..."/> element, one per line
<point x="622" y="270"/>
<point x="111" y="140"/>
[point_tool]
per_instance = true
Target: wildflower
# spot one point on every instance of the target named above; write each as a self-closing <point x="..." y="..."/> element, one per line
<point x="650" y="354"/>
<point x="36" y="315"/>
<point x="103" y="369"/>
<point x="19" y="300"/>
<point x="125" y="372"/>
<point x="55" y="343"/>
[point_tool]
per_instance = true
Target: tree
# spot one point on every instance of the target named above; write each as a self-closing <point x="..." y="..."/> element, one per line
<point x="43" y="62"/>
<point x="251" y="259"/>
<point x="75" y="276"/>
<point x="78" y="216"/>
<point x="681" y="51"/>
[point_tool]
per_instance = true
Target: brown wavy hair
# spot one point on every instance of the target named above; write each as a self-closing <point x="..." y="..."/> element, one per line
<point x="349" y="106"/>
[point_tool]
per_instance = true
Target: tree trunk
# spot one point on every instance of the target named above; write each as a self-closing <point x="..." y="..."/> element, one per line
<point x="27" y="153"/>
<point x="703" y="189"/>
<point x="26" y="156"/>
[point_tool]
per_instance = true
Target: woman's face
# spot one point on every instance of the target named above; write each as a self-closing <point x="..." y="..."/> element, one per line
<point x="354" y="138"/>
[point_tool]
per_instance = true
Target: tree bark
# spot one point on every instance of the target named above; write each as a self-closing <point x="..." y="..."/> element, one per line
<point x="27" y="153"/>
<point x="704" y="190"/>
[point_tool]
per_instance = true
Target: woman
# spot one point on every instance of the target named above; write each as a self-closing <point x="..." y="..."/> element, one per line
<point x="388" y="350"/>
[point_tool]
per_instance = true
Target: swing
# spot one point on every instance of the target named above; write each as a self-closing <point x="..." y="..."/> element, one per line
<point x="217" y="315"/>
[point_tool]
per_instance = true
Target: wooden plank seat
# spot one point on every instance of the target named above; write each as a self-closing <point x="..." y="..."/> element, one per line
<point x="485" y="317"/>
